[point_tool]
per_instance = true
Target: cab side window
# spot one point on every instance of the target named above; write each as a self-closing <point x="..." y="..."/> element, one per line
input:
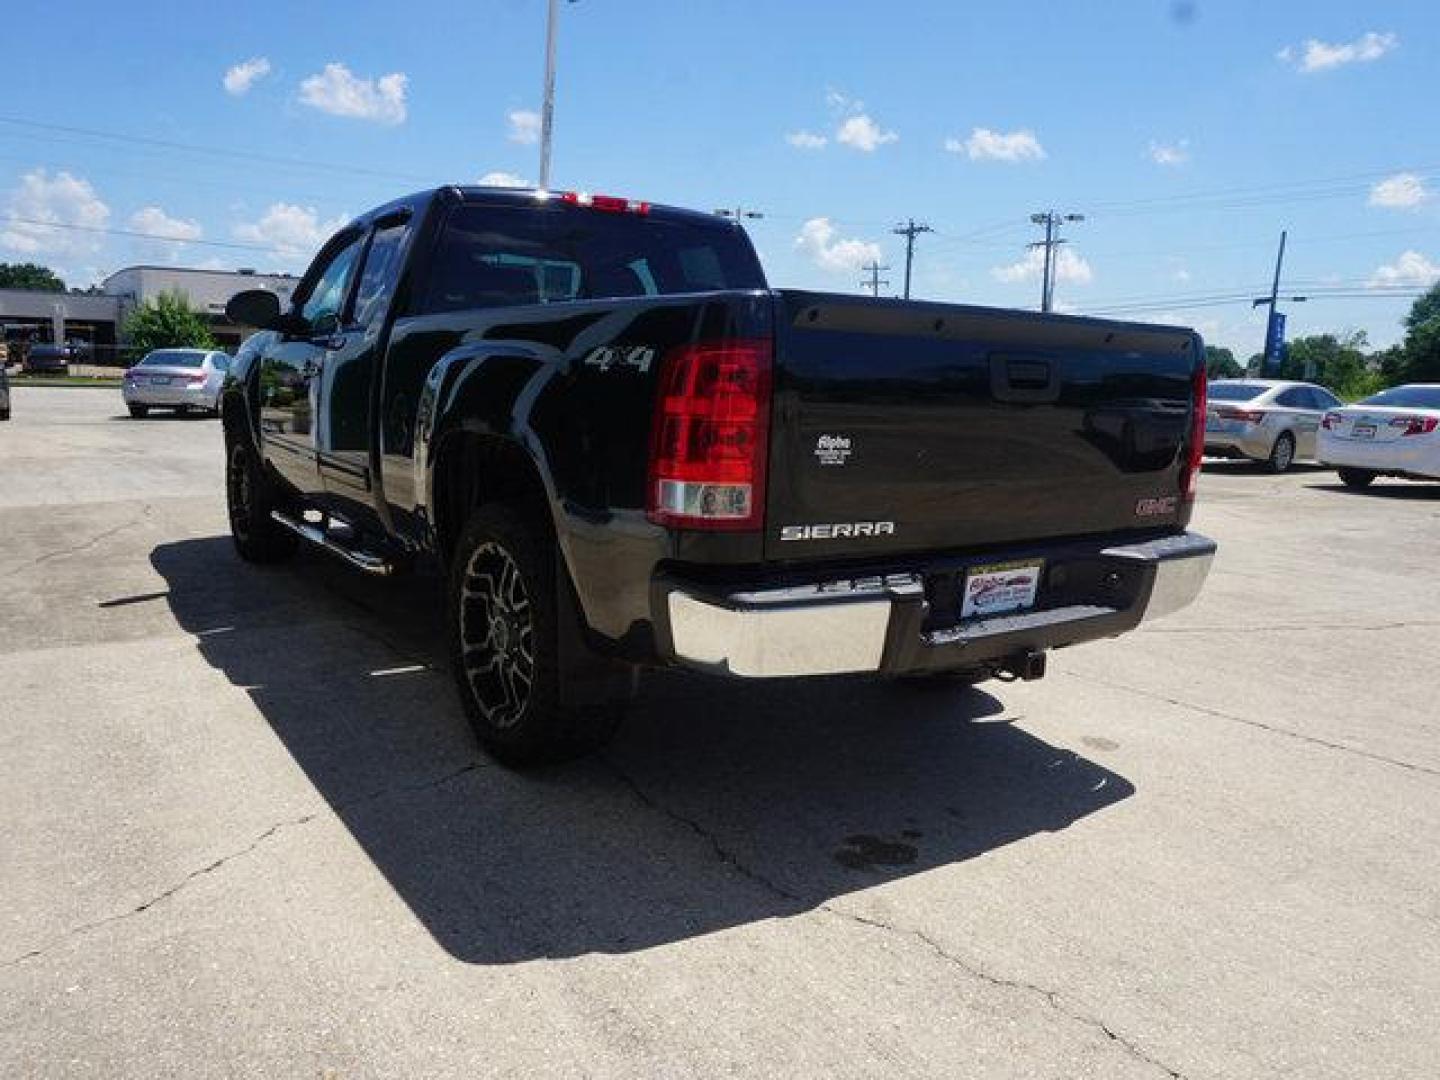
<point x="381" y="273"/>
<point x="321" y="308"/>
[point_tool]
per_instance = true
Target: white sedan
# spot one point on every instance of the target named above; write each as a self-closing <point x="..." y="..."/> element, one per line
<point x="179" y="379"/>
<point x="1394" y="433"/>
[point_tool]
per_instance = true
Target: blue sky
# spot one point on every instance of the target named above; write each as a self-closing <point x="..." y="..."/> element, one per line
<point x="1189" y="134"/>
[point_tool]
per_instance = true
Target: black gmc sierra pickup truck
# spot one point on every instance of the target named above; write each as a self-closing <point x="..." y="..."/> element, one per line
<point x="625" y="450"/>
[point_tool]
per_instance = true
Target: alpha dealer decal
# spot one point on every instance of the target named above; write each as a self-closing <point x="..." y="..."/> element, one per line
<point x="832" y="449"/>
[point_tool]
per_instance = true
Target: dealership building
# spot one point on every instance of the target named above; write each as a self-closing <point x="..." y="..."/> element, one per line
<point x="97" y="319"/>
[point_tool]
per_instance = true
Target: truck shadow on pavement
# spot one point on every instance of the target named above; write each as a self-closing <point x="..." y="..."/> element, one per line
<point x="719" y="805"/>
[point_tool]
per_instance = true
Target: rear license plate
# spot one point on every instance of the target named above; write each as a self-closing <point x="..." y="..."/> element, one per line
<point x="990" y="590"/>
<point x="159" y="380"/>
<point x="1363" y="431"/>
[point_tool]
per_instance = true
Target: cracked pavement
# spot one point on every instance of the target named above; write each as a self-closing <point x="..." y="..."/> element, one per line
<point x="247" y="832"/>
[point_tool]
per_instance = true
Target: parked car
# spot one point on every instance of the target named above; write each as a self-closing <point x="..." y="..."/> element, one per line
<point x="43" y="358"/>
<point x="1392" y="433"/>
<point x="627" y="451"/>
<point x="4" y="393"/>
<point x="1267" y="420"/>
<point x="179" y="379"/>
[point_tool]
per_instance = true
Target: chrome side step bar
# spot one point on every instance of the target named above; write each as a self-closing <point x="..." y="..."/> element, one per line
<point x="316" y="534"/>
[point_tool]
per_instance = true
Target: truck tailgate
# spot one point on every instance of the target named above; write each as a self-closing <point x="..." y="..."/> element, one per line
<point x="906" y="426"/>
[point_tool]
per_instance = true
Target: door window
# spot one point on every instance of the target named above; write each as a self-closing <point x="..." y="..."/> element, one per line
<point x="321" y="308"/>
<point x="1297" y="397"/>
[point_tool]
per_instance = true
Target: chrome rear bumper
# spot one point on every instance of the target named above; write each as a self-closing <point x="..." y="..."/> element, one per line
<point x="882" y="624"/>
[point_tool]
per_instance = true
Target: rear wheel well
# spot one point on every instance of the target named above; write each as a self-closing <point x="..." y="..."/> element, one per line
<point x="472" y="470"/>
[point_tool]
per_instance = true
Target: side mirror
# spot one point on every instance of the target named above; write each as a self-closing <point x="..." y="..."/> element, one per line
<point x="254" y="307"/>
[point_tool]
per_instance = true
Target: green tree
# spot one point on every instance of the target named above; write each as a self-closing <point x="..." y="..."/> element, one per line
<point x="1340" y="364"/>
<point x="29" y="276"/>
<point x="1422" y="339"/>
<point x="1220" y="363"/>
<point x="167" y="322"/>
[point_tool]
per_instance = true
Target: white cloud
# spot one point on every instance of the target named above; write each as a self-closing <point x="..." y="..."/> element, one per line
<point x="40" y="203"/>
<point x="839" y="101"/>
<point x="863" y="133"/>
<point x="287" y="229"/>
<point x="167" y="235"/>
<point x="821" y="241"/>
<point x="1313" y="55"/>
<point x="337" y="92"/>
<point x="244" y="75"/>
<point x="1181" y="274"/>
<point x="524" y="126"/>
<point x="502" y="179"/>
<point x="806" y="140"/>
<point x="987" y="145"/>
<point x="1411" y="268"/>
<point x="1071" y="269"/>
<point x="1403" y="191"/>
<point x="1170" y="155"/>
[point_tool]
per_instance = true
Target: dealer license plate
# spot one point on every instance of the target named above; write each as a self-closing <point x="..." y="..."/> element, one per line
<point x="990" y="590"/>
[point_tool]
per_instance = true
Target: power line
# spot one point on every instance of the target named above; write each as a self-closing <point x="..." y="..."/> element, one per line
<point x="910" y="231"/>
<point x="215" y="151"/>
<point x="1052" y="220"/>
<point x="873" y="282"/>
<point x="138" y="235"/>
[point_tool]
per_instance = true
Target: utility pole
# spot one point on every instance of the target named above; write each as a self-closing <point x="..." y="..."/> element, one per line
<point x="1275" y="321"/>
<point x="739" y="213"/>
<point x="1052" y="220"/>
<point x="873" y="282"/>
<point x="910" y="230"/>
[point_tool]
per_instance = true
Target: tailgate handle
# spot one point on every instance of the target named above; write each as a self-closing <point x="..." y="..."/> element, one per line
<point x="1024" y="378"/>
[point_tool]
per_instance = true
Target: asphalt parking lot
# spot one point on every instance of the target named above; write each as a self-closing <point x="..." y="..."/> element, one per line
<point x="247" y="833"/>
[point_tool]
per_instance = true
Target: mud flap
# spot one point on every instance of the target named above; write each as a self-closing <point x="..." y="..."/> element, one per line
<point x="587" y="678"/>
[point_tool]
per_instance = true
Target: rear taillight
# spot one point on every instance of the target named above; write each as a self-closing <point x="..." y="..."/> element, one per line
<point x="613" y="204"/>
<point x="1249" y="416"/>
<point x="709" y="442"/>
<point x="195" y="380"/>
<point x="1331" y="421"/>
<point x="1191" y="472"/>
<point x="1415" y="425"/>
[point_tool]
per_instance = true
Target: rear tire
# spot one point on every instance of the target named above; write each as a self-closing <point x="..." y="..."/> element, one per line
<point x="1356" y="478"/>
<point x="250" y="496"/>
<point x="1282" y="454"/>
<point x="503" y="625"/>
<point x="139" y="412"/>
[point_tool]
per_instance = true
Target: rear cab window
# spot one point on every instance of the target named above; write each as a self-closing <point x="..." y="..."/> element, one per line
<point x="493" y="255"/>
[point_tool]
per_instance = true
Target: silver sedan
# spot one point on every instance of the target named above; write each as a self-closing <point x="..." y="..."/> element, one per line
<point x="179" y="379"/>
<point x="1267" y="420"/>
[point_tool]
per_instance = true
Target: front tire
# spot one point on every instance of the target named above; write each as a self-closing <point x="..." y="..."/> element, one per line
<point x="1282" y="454"/>
<point x="250" y="496"/>
<point x="503" y="624"/>
<point x="139" y="412"/>
<point x="1356" y="478"/>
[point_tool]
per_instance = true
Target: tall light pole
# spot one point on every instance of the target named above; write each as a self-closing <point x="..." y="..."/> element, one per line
<point x="547" y="111"/>
<point x="1274" y="353"/>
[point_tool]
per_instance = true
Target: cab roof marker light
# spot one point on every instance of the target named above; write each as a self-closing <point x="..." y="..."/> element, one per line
<point x="614" y="204"/>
